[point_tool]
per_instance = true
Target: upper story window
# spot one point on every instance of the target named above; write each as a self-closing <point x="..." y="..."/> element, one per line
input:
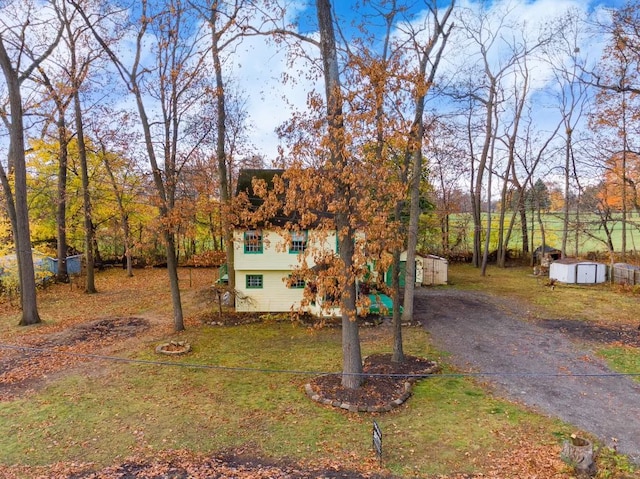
<point x="253" y="241"/>
<point x="298" y="241"/>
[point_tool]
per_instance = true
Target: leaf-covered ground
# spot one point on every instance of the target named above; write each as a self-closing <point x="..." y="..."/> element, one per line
<point x="127" y="312"/>
<point x="531" y="462"/>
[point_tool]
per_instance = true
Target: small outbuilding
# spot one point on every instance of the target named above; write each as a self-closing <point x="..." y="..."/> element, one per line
<point x="573" y="271"/>
<point x="430" y="270"/>
<point x="544" y="256"/>
<point x="624" y="273"/>
<point x="435" y="270"/>
<point x="74" y="264"/>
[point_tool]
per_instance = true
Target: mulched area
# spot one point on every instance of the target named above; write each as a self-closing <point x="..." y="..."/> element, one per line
<point x="620" y="334"/>
<point x="385" y="383"/>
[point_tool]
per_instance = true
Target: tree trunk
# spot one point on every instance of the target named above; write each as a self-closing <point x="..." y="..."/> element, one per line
<point x="503" y="244"/>
<point x="221" y="155"/>
<point x="567" y="169"/>
<point x="90" y="286"/>
<point x="524" y="226"/>
<point x="489" y="153"/>
<point x="415" y="142"/>
<point x="412" y="233"/>
<point x="351" y="353"/>
<point x="543" y="235"/>
<point x="124" y="217"/>
<point x="398" y="350"/>
<point x="61" y="207"/>
<point x="22" y="238"/>
<point x="487" y="240"/>
<point x="172" y="270"/>
<point x="477" y="190"/>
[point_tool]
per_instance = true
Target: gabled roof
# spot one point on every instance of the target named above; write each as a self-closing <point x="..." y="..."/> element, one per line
<point x="245" y="182"/>
<point x="245" y="185"/>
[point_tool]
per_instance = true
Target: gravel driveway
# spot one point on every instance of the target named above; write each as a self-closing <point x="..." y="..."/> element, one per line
<point x="539" y="367"/>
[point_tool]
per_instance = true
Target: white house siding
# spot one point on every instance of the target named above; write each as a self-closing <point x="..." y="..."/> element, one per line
<point x="274" y="296"/>
<point x="275" y="254"/>
<point x="275" y="264"/>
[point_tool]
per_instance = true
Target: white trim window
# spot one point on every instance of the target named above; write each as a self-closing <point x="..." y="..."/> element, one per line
<point x="298" y="241"/>
<point x="253" y="242"/>
<point x="254" y="281"/>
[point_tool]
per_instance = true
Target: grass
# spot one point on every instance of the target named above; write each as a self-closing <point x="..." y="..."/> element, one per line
<point x="115" y="410"/>
<point x="553" y="224"/>
<point x="623" y="359"/>
<point x="448" y="425"/>
<point x="604" y="303"/>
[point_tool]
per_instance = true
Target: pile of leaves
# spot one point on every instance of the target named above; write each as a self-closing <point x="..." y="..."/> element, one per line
<point x="532" y="461"/>
<point x="187" y="465"/>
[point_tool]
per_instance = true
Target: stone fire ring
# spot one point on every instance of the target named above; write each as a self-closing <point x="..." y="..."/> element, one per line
<point x="173" y="348"/>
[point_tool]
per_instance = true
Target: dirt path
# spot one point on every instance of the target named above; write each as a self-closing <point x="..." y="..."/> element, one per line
<point x="537" y="366"/>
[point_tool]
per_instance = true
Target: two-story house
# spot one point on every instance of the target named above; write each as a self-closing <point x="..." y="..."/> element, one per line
<point x="265" y="264"/>
<point x="266" y="258"/>
<point x="267" y="261"/>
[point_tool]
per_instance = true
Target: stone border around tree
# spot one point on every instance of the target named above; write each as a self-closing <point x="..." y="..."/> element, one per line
<point x="173" y="348"/>
<point x="355" y="408"/>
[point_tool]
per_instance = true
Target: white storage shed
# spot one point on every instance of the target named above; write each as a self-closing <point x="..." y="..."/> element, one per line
<point x="430" y="270"/>
<point x="435" y="270"/>
<point x="571" y="271"/>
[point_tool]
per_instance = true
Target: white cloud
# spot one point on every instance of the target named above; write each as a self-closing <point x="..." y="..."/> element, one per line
<point x="259" y="69"/>
<point x="259" y="66"/>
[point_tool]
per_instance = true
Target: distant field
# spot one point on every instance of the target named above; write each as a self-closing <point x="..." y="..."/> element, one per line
<point x="592" y="237"/>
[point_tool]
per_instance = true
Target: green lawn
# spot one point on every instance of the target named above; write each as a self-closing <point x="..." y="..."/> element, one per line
<point x="450" y="423"/>
<point x="590" y="241"/>
<point x="244" y="400"/>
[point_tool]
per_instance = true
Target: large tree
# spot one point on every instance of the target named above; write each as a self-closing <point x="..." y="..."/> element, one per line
<point x="615" y="116"/>
<point x="228" y="23"/>
<point x="494" y="93"/>
<point x="21" y="52"/>
<point x="169" y="83"/>
<point x="343" y="196"/>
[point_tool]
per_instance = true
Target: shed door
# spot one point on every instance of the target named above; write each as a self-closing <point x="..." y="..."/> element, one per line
<point x="586" y="273"/>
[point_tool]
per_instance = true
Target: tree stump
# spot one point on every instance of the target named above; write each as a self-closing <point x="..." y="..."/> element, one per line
<point x="578" y="453"/>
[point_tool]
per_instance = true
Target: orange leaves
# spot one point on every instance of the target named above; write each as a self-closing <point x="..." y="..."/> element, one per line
<point x="621" y="179"/>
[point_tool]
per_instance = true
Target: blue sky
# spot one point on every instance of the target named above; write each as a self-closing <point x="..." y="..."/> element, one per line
<point x="263" y="65"/>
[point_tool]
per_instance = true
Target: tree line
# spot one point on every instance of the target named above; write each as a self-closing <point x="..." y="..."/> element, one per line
<point x="125" y="129"/>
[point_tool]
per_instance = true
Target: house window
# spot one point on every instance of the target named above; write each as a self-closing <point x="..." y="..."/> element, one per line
<point x="254" y="281"/>
<point x="298" y="241"/>
<point x="253" y="241"/>
<point x="296" y="283"/>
